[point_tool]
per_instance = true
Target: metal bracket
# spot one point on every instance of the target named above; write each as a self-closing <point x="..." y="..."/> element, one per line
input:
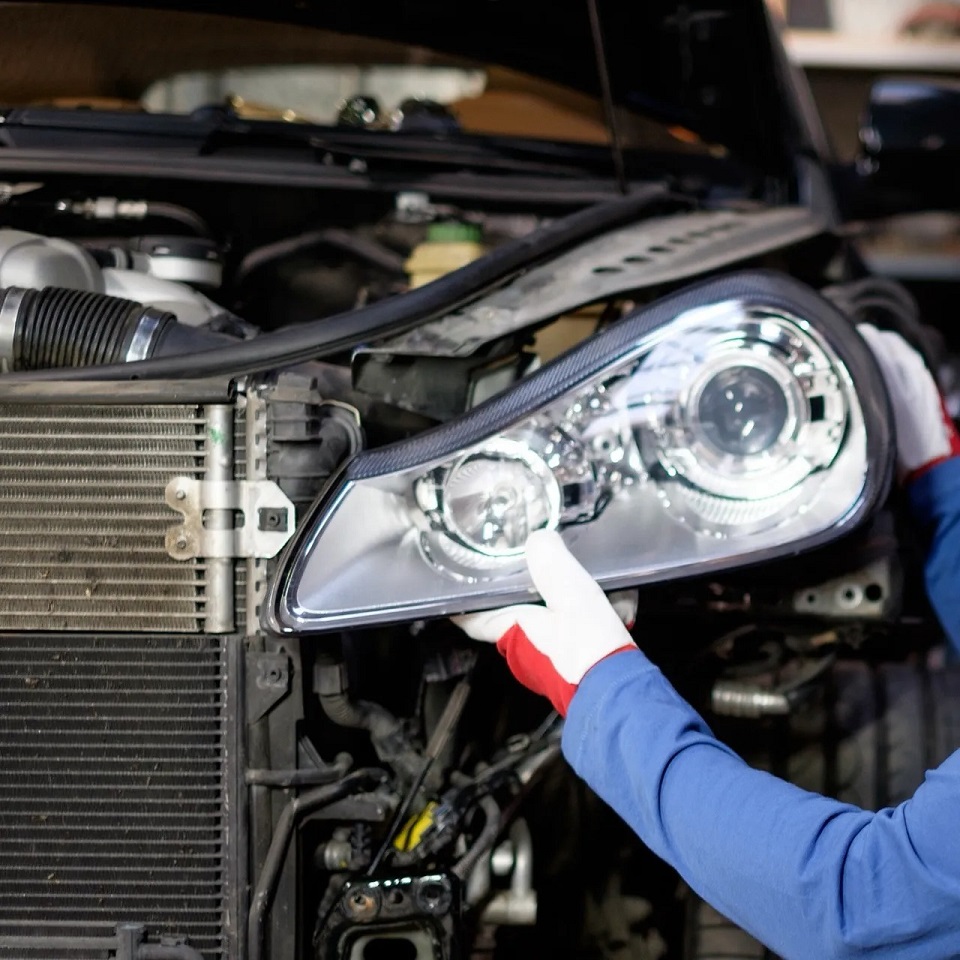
<point x="268" y="681"/>
<point x="514" y="859"/>
<point x="263" y="518"/>
<point x="872" y="592"/>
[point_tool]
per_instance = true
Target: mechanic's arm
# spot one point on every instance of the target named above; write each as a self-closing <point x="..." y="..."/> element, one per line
<point x="935" y="501"/>
<point x="810" y="877"/>
<point x="929" y="466"/>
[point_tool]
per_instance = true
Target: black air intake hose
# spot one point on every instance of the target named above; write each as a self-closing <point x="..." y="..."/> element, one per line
<point x="55" y="327"/>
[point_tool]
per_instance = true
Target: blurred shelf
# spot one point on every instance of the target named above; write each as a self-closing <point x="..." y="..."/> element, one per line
<point x="921" y="266"/>
<point x="825" y="49"/>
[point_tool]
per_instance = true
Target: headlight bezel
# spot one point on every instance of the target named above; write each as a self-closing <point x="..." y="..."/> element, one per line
<point x="612" y="346"/>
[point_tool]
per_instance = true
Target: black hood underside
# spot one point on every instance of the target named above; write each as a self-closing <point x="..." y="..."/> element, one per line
<point x="712" y="67"/>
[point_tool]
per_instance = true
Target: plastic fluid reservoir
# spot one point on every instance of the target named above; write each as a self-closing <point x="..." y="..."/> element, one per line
<point x="448" y="246"/>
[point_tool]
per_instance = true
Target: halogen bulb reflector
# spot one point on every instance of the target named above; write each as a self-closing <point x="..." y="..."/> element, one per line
<point x="477" y="513"/>
<point x="492" y="502"/>
<point x="742" y="411"/>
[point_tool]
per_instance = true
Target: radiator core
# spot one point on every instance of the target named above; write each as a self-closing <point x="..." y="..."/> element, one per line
<point x="83" y="517"/>
<point x="112" y="787"/>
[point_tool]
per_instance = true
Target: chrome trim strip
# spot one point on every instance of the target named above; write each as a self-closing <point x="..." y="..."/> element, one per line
<point x="143" y="336"/>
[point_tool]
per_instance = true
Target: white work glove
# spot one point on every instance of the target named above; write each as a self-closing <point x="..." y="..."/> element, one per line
<point x="925" y="432"/>
<point x="550" y="648"/>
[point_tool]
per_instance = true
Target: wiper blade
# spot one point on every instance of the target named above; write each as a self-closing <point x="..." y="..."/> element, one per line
<point x="416" y="148"/>
<point x="210" y="130"/>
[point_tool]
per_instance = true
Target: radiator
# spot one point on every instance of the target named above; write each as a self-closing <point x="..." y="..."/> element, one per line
<point x="113" y="781"/>
<point x="121" y="768"/>
<point x="119" y="760"/>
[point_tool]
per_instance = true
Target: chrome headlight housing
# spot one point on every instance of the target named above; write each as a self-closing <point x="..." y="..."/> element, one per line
<point x="737" y="421"/>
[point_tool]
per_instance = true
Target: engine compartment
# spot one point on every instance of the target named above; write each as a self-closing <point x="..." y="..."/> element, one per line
<point x="393" y="792"/>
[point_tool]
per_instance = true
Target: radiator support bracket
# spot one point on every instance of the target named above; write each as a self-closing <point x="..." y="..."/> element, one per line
<point x="264" y="518"/>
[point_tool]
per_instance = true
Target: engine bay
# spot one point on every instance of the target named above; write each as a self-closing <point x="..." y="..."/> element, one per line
<point x="383" y="789"/>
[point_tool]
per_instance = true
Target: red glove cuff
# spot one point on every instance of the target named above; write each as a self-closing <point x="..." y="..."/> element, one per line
<point x="535" y="670"/>
<point x="952" y="437"/>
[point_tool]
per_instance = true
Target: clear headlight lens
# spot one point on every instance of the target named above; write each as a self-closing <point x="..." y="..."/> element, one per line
<point x="722" y="434"/>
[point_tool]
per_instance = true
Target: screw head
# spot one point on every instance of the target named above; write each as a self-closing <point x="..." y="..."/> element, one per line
<point x="360" y="904"/>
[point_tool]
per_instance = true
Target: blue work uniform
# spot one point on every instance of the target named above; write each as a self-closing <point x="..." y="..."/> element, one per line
<point x="810" y="877"/>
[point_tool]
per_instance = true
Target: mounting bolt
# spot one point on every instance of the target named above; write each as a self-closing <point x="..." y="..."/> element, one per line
<point x="434" y="895"/>
<point x="181" y="494"/>
<point x="273" y="671"/>
<point x="181" y="543"/>
<point x="360" y="904"/>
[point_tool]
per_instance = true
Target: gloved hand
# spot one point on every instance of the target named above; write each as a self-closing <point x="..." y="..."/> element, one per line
<point x="550" y="648"/>
<point x="925" y="432"/>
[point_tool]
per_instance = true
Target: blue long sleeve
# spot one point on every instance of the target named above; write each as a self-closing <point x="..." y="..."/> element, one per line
<point x="810" y="877"/>
<point x="935" y="503"/>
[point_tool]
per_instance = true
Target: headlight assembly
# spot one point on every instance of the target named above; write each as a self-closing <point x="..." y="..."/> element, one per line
<point x="739" y="420"/>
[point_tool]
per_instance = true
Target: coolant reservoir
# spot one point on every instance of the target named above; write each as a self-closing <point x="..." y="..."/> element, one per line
<point x="448" y="246"/>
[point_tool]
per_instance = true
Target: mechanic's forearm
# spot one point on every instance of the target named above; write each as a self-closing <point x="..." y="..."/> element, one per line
<point x="808" y="876"/>
<point x="935" y="502"/>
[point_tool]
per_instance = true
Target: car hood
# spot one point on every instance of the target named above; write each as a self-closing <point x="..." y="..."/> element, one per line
<point x="715" y="68"/>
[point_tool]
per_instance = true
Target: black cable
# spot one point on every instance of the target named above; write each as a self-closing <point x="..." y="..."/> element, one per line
<point x="331" y="335"/>
<point x="401" y="814"/>
<point x="485" y="840"/>
<point x="445" y="726"/>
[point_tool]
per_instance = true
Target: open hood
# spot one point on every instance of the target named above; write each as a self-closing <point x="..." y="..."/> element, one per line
<point x="715" y="68"/>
